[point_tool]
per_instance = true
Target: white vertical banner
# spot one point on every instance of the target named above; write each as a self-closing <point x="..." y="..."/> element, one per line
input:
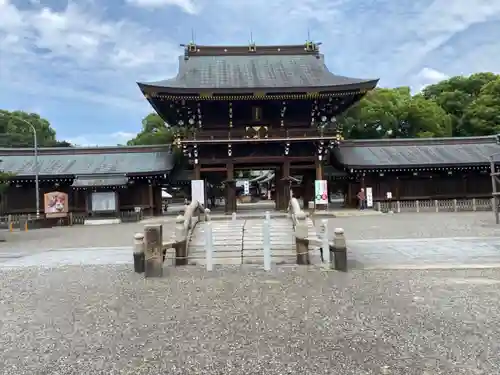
<point x="198" y="191"/>
<point x="320" y="192"/>
<point x="246" y="187"/>
<point x="369" y="197"/>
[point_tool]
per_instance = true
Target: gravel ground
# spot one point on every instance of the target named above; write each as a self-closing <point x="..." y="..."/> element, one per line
<point x="417" y="225"/>
<point x="108" y="320"/>
<point x="79" y="236"/>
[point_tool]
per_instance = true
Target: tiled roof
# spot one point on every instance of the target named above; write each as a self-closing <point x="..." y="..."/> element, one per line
<point x="393" y="153"/>
<point x="88" y="161"/>
<point x="269" y="72"/>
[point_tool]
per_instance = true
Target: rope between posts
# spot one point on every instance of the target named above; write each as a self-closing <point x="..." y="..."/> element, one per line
<point x="230" y="257"/>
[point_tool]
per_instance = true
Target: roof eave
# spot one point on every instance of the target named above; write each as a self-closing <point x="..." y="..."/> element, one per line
<point x="416" y="166"/>
<point x="361" y="86"/>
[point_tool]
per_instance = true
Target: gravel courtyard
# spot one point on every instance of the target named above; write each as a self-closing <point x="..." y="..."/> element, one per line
<point x="108" y="320"/>
<point x="417" y="225"/>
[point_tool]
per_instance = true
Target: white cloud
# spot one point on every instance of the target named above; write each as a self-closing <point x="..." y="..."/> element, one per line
<point x="84" y="53"/>
<point x="112" y="139"/>
<point x="187" y="6"/>
<point x="428" y="76"/>
<point x="78" y="52"/>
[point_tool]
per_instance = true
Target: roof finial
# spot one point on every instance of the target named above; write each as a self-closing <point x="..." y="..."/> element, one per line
<point x="310" y="46"/>
<point x="251" y="46"/>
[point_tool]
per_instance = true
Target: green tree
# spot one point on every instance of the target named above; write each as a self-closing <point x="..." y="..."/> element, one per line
<point x="394" y="113"/>
<point x="154" y="132"/>
<point x="482" y="116"/>
<point x="15" y="132"/>
<point x="455" y="95"/>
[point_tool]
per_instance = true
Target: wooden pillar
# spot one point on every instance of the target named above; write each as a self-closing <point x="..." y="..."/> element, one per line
<point x="278" y="195"/>
<point x="87" y="193"/>
<point x="76" y="202"/>
<point x="285" y="185"/>
<point x="319" y="169"/>
<point x="197" y="172"/>
<point x="230" y="206"/>
<point x="150" y="199"/>
<point x="308" y="188"/>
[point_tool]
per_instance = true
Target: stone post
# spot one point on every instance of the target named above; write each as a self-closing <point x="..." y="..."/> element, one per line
<point x="325" y="243"/>
<point x="153" y="244"/>
<point x="207" y="214"/>
<point x="266" y="245"/>
<point x="180" y="244"/>
<point x="301" y="240"/>
<point x="139" y="252"/>
<point x="209" y="247"/>
<point x="340" y="250"/>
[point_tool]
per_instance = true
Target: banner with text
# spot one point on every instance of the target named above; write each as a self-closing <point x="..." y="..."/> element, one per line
<point x="320" y="192"/>
<point x="198" y="191"/>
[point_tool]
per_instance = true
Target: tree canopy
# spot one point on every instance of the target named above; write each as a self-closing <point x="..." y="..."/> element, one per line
<point x="15" y="132"/>
<point x="472" y="102"/>
<point x="395" y="113"/>
<point x="154" y="132"/>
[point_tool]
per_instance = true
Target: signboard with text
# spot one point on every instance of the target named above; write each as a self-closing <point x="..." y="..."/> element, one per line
<point x="320" y="192"/>
<point x="198" y="191"/>
<point x="369" y="197"/>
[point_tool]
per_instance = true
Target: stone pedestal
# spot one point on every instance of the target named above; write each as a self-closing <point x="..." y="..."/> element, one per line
<point x="301" y="240"/>
<point x="153" y="253"/>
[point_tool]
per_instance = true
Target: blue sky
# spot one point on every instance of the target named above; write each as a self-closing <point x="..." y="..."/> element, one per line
<point x="76" y="62"/>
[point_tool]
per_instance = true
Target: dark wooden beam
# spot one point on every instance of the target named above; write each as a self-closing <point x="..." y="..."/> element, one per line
<point x="258" y="160"/>
<point x="214" y="169"/>
<point x="258" y="140"/>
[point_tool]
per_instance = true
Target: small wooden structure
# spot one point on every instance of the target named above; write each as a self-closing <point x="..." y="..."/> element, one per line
<point x="98" y="180"/>
<point x="426" y="169"/>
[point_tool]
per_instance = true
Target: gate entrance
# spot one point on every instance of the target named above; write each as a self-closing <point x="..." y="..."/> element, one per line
<point x="259" y="107"/>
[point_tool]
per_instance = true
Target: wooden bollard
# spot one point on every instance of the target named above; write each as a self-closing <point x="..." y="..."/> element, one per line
<point x="139" y="252"/>
<point x="180" y="244"/>
<point x="153" y="253"/>
<point x="301" y="240"/>
<point x="340" y="250"/>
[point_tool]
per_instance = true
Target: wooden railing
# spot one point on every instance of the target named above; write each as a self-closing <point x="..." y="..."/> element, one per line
<point x="435" y="205"/>
<point x="15" y="222"/>
<point x="207" y="134"/>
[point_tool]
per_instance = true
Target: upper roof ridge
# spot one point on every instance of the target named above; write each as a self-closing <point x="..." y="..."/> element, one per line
<point x="308" y="48"/>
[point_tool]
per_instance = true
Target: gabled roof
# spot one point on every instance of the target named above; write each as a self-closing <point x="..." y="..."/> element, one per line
<point x="77" y="161"/>
<point x="417" y="152"/>
<point x="226" y="69"/>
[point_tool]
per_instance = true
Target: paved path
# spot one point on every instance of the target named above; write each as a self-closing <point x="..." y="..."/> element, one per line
<point x="475" y="252"/>
<point x="458" y="252"/>
<point x="374" y="242"/>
